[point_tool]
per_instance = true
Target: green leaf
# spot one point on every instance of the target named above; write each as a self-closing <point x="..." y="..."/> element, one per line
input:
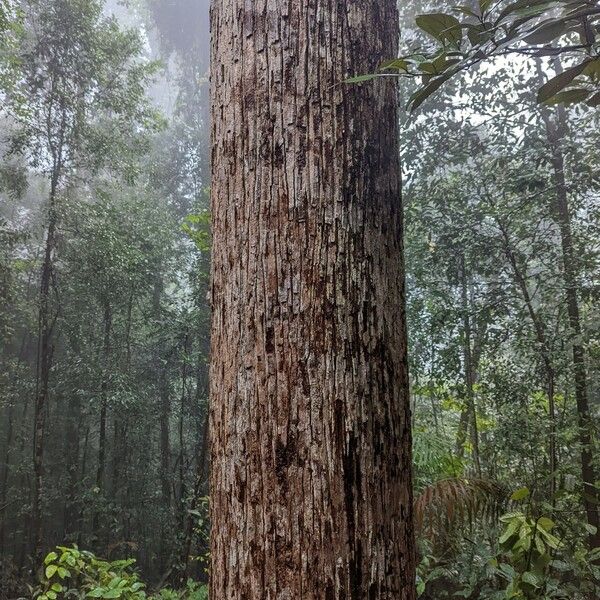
<point x="114" y="593"/>
<point x="531" y="579"/>
<point x="484" y="5"/>
<point x="520" y="494"/>
<point x="592" y="68"/>
<point x="360" y="78"/>
<point x="525" y="8"/>
<point x="591" y="528"/>
<point x="512" y="528"/>
<point x="442" y="27"/>
<point x="551" y="540"/>
<point x="545" y="523"/>
<point x="561" y="565"/>
<point x="396" y="63"/>
<point x="96" y="593"/>
<point x="477" y="33"/>
<point x="50" y="557"/>
<point x="424" y="92"/>
<point x="62" y="572"/>
<point x="508" y="517"/>
<point x="50" y="571"/>
<point x="507" y="571"/>
<point x="560" y="81"/>
<point x="571" y="96"/>
<point x="539" y="544"/>
<point x="547" y="32"/>
<point x="442" y="62"/>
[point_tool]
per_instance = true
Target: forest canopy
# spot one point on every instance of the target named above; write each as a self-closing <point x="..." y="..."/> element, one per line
<point x="357" y="242"/>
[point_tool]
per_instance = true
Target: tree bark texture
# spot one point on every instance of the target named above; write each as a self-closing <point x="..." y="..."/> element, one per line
<point x="310" y="426"/>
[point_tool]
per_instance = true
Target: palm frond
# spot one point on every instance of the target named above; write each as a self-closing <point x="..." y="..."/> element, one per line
<point x="448" y="504"/>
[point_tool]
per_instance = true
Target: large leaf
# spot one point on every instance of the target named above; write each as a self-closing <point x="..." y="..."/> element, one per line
<point x="545" y="523"/>
<point x="360" y="78"/>
<point x="525" y="8"/>
<point x="396" y="63"/>
<point x="423" y="93"/>
<point x="520" y="494"/>
<point x="50" y="570"/>
<point x="560" y="81"/>
<point x="572" y="96"/>
<point x="510" y="531"/>
<point x="548" y="31"/>
<point x="444" y="28"/>
<point x="531" y="579"/>
<point x="594" y="100"/>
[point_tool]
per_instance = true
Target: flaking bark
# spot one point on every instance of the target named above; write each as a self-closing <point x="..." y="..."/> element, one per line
<point x="310" y="426"/>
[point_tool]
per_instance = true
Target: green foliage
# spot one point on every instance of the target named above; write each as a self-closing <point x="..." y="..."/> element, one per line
<point x="192" y="591"/>
<point x="527" y="543"/>
<point x="70" y="572"/>
<point x="80" y="98"/>
<point x="469" y="35"/>
<point x="197" y="227"/>
<point x="73" y="573"/>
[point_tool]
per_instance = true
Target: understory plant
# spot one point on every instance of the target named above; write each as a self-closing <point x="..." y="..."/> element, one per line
<point x="74" y="573"/>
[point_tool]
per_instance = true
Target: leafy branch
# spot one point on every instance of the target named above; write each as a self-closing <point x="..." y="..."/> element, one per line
<point x="533" y="28"/>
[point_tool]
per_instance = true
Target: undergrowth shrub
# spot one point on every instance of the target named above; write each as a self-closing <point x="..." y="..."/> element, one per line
<point x="74" y="573"/>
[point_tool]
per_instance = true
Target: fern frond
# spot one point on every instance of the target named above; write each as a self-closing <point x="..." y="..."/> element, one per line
<point x="448" y="504"/>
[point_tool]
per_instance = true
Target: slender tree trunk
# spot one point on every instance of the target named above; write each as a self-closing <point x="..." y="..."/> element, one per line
<point x="165" y="443"/>
<point x="199" y="475"/>
<point x="543" y="345"/>
<point x="4" y="475"/>
<point x="161" y="359"/>
<point x="182" y="453"/>
<point x="71" y="452"/>
<point x="556" y="130"/>
<point x="84" y="460"/>
<point x="432" y="394"/>
<point x="101" y="467"/>
<point x="44" y="364"/>
<point x="469" y="369"/>
<point x="310" y="419"/>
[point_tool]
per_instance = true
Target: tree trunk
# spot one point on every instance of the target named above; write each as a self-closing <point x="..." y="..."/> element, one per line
<point x="310" y="419"/>
<point x="555" y="131"/>
<point x="4" y="472"/>
<point x="44" y="364"/>
<point x="469" y="368"/>
<point x="182" y="453"/>
<point x="101" y="467"/>
<point x="544" y="348"/>
<point x="73" y="426"/>
<point x="199" y="476"/>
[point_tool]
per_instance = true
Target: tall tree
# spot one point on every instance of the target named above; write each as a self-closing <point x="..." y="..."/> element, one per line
<point x="556" y="130"/>
<point x="310" y="423"/>
<point x="77" y="69"/>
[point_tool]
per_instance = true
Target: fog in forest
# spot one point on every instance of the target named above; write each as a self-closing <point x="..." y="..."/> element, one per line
<point x="393" y="254"/>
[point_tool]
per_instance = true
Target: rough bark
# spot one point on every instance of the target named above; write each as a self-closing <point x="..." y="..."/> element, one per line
<point x="310" y="426"/>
